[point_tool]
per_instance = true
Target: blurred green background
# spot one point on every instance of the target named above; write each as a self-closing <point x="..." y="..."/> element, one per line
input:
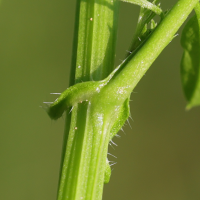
<point x="158" y="159"/>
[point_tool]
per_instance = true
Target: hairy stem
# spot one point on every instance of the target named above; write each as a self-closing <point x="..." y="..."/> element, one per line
<point x="84" y="160"/>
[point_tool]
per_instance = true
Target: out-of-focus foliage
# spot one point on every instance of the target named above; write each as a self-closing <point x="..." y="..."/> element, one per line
<point x="190" y="64"/>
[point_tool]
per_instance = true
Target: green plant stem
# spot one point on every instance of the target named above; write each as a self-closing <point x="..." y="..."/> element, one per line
<point x="84" y="162"/>
<point x="145" y="4"/>
<point x="93" y="59"/>
<point x="134" y="67"/>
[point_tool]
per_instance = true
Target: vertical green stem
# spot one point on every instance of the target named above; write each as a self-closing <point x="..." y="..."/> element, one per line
<point x="84" y="158"/>
<point x="93" y="59"/>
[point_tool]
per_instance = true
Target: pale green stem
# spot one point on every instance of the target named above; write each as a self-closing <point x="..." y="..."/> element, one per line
<point x="84" y="162"/>
<point x="93" y="59"/>
<point x="134" y="68"/>
<point x="145" y="4"/>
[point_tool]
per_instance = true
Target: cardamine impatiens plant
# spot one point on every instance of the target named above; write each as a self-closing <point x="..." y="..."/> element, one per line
<point x="97" y="101"/>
